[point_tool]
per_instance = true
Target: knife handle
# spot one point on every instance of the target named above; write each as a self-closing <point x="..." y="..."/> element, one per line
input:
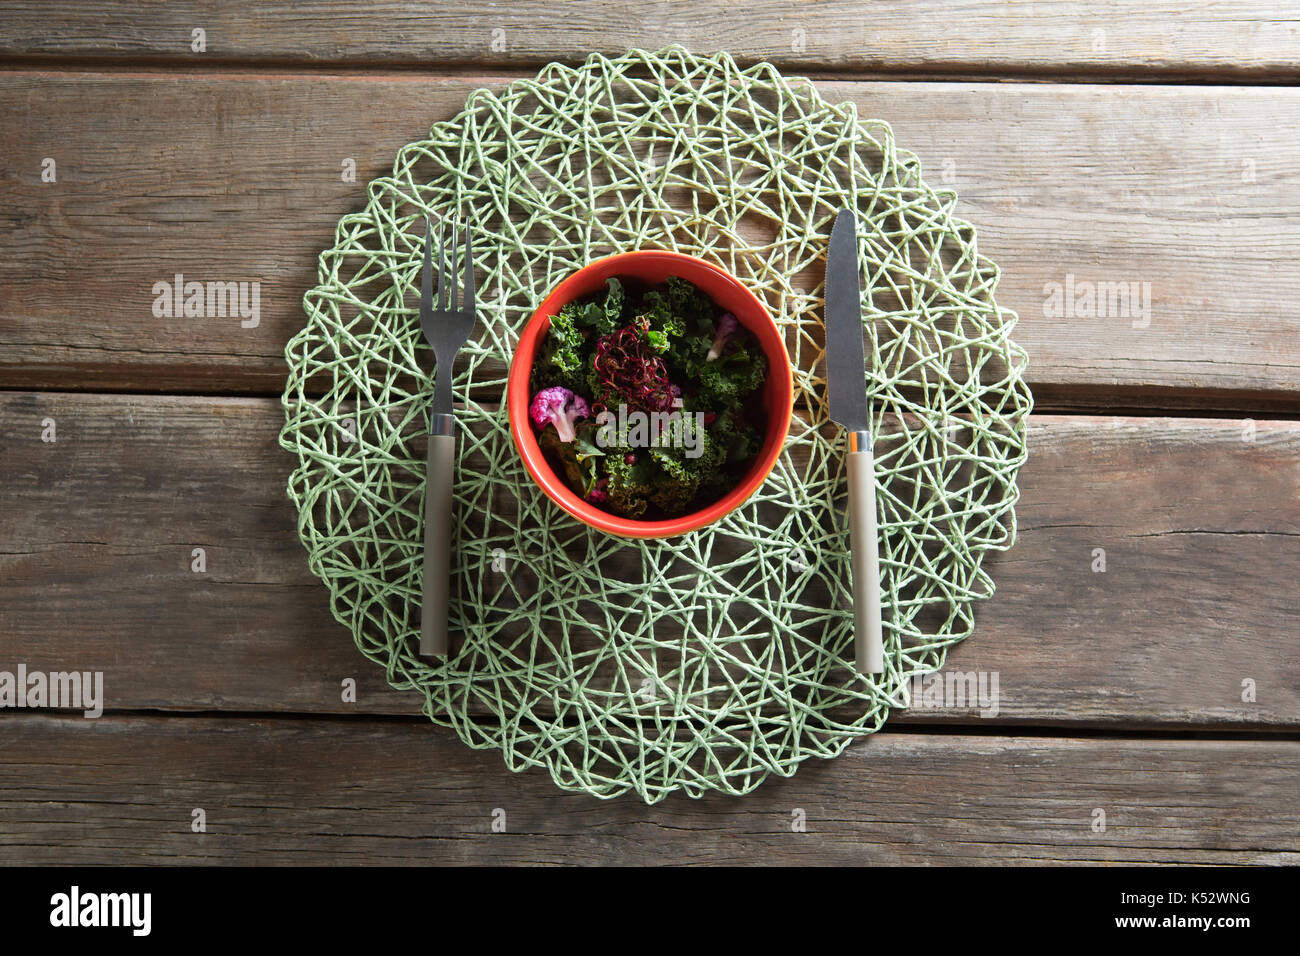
<point x="437" y="540"/>
<point x="868" y="646"/>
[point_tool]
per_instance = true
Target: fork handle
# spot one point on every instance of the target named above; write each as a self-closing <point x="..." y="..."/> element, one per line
<point x="437" y="542"/>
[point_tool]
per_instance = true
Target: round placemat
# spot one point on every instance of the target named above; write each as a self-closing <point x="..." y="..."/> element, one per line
<point x="713" y="660"/>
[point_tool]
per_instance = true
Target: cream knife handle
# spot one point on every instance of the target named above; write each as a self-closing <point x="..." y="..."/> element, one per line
<point x="867" y="644"/>
<point x="436" y="580"/>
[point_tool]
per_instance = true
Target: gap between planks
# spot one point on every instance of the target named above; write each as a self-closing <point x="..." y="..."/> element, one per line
<point x="317" y="790"/>
<point x="1197" y="524"/>
<point x="1053" y="185"/>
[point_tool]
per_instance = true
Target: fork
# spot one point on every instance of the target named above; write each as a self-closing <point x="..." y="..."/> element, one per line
<point x="445" y="329"/>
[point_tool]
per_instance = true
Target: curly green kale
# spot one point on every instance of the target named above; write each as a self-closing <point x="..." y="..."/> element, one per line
<point x="632" y="480"/>
<point x="684" y="475"/>
<point x="564" y="357"/>
<point x="733" y="444"/>
<point x="678" y="318"/>
<point x="605" y="315"/>
<point x="729" y="379"/>
<point x="561" y="358"/>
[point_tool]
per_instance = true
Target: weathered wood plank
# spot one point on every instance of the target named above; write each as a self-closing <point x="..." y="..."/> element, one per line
<point x="1046" y="36"/>
<point x="240" y="178"/>
<point x="123" y="790"/>
<point x="1198" y="593"/>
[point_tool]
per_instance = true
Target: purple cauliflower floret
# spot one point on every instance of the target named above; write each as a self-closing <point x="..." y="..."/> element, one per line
<point x="560" y="407"/>
<point x="727" y="327"/>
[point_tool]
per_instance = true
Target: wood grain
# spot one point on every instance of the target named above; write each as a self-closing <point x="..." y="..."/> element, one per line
<point x="1198" y="527"/>
<point x="1246" y="39"/>
<point x="122" y="790"/>
<point x="238" y="178"/>
<point x="226" y="164"/>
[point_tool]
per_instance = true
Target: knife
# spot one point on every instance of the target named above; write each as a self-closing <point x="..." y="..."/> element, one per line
<point x="847" y="393"/>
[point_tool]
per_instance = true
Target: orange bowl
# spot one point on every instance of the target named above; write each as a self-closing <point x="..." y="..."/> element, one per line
<point x="654" y="266"/>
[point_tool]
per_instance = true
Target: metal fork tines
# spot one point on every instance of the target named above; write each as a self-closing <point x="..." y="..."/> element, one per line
<point x="448" y="326"/>
<point x="445" y="329"/>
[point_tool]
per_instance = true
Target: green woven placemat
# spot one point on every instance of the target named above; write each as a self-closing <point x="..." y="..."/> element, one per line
<point x="705" y="662"/>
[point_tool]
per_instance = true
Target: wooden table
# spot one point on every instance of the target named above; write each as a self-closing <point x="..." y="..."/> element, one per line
<point x="1113" y="142"/>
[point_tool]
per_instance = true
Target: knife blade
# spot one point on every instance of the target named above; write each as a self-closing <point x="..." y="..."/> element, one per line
<point x="846" y="390"/>
<point x="845" y="372"/>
